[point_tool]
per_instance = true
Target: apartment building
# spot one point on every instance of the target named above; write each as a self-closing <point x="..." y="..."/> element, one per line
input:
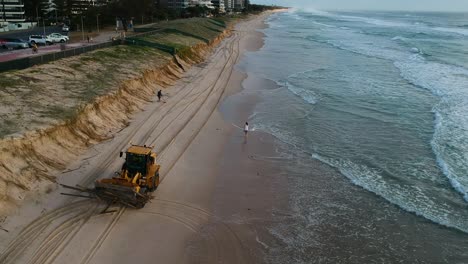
<point x="239" y="4"/>
<point x="219" y="4"/>
<point x="229" y="5"/>
<point x="12" y="11"/>
<point x="79" y="6"/>
<point x="207" y="3"/>
<point x="174" y="4"/>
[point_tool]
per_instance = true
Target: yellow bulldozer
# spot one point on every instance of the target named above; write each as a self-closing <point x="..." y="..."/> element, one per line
<point x="131" y="186"/>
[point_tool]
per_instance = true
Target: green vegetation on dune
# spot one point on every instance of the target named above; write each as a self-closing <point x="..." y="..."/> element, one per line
<point x="205" y="29"/>
<point x="44" y="94"/>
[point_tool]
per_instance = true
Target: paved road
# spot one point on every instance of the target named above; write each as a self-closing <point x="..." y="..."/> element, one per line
<point x="16" y="54"/>
<point x="24" y="34"/>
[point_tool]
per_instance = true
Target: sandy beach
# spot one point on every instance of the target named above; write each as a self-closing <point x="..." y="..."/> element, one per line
<point x="216" y="196"/>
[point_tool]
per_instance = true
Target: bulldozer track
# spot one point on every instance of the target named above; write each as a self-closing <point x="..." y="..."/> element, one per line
<point x="56" y="239"/>
<point x="183" y="93"/>
<point x="102" y="237"/>
<point x="25" y="237"/>
<point x="186" y="94"/>
<point x="211" y="112"/>
<point x="197" y="95"/>
<point x="69" y="229"/>
<point x="195" y="218"/>
<point x="112" y="223"/>
<point x="210" y="91"/>
<point x="185" y="205"/>
<point x="52" y="244"/>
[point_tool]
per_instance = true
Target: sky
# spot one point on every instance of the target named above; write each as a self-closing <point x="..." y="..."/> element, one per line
<point x="400" y="5"/>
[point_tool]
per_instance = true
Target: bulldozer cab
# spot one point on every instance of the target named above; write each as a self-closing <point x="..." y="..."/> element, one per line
<point x="138" y="159"/>
<point x="136" y="163"/>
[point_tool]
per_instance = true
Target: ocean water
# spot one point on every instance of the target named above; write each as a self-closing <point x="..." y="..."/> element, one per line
<point x="372" y="111"/>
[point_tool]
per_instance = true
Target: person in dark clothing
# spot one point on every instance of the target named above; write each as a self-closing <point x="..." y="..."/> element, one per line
<point x="159" y="95"/>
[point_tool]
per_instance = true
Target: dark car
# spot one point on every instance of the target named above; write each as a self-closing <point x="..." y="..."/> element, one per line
<point x="13" y="43"/>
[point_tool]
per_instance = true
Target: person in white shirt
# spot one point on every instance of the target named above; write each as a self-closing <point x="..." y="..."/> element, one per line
<point x="246" y="128"/>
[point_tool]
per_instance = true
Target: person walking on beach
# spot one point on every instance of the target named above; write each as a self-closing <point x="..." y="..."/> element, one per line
<point x="159" y="95"/>
<point x="246" y="128"/>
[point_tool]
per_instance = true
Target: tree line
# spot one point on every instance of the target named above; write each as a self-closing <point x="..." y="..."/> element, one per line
<point x="105" y="12"/>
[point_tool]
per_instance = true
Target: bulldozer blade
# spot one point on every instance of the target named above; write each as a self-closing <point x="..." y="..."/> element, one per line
<point x="125" y="196"/>
<point x="111" y="194"/>
<point x="77" y="188"/>
<point x="107" y="212"/>
<point x="78" y="195"/>
<point x="107" y="207"/>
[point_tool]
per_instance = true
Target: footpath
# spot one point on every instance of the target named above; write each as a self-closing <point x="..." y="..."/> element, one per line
<point x="102" y="37"/>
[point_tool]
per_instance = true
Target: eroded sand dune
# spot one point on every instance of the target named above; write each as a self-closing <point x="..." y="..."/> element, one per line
<point x="43" y="144"/>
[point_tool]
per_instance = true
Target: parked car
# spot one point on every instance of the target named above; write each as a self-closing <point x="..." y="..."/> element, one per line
<point x="65" y="28"/>
<point x="57" y="37"/>
<point x="39" y="39"/>
<point x="13" y="43"/>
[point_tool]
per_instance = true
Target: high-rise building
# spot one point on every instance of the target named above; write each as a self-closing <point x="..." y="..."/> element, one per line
<point x="174" y="4"/>
<point x="219" y="4"/>
<point x="79" y="6"/>
<point x="206" y="3"/>
<point x="239" y="4"/>
<point x="11" y="11"/>
<point x="229" y="5"/>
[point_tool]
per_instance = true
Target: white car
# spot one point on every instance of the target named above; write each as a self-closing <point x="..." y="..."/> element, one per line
<point x="57" y="37"/>
<point x="65" y="28"/>
<point x="39" y="39"/>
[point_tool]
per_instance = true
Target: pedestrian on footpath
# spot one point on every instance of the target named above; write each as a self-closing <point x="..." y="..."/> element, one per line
<point x="159" y="95"/>
<point x="246" y="128"/>
<point x="34" y="48"/>
<point x="87" y="37"/>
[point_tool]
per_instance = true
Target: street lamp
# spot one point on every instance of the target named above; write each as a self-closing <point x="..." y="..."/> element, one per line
<point x="4" y="12"/>
<point x="37" y="16"/>
<point x="43" y="25"/>
<point x="82" y="28"/>
<point x="97" y="22"/>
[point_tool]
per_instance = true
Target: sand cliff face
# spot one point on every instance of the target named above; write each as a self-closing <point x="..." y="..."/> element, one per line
<point x="30" y="162"/>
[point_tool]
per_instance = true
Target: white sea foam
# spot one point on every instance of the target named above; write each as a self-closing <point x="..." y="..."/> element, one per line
<point x="307" y="95"/>
<point x="315" y="11"/>
<point x="410" y="198"/>
<point x="450" y="139"/>
<point x="437" y="147"/>
<point x="368" y="20"/>
<point x="325" y="25"/>
<point x="373" y="21"/>
<point x="421" y="27"/>
<point x="459" y="31"/>
<point x="447" y="81"/>
<point x="399" y="38"/>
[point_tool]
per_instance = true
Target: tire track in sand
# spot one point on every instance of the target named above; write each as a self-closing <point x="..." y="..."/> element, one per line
<point x="30" y="232"/>
<point x="212" y="90"/>
<point x="48" y="250"/>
